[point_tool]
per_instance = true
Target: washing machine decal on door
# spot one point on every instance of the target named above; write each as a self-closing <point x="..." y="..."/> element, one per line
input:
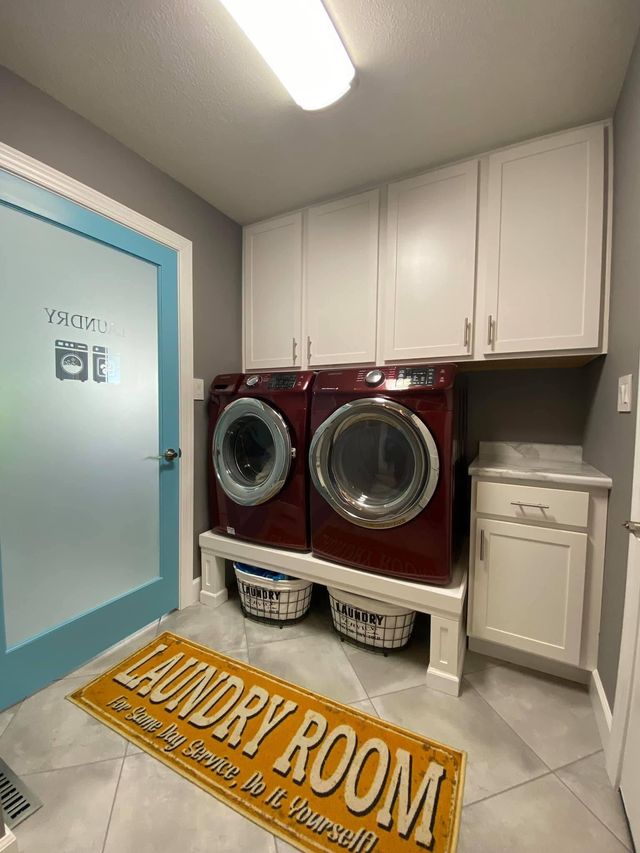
<point x="375" y="463"/>
<point x="252" y="451"/>
<point x="72" y="360"/>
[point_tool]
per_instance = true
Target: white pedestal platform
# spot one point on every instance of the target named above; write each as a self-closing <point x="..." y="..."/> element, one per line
<point x="445" y="604"/>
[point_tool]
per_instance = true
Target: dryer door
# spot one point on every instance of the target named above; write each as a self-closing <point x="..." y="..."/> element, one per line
<point x="374" y="462"/>
<point x="252" y="451"/>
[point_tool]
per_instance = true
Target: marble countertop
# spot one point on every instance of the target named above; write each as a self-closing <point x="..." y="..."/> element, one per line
<point x="555" y="463"/>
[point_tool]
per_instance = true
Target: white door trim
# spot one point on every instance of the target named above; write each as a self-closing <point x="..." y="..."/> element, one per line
<point x="630" y="631"/>
<point x="628" y="645"/>
<point x="33" y="170"/>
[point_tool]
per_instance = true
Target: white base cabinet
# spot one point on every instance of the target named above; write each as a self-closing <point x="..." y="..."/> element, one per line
<point x="529" y="588"/>
<point x="536" y="569"/>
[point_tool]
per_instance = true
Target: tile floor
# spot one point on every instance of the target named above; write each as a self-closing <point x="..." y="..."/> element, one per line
<point x="535" y="781"/>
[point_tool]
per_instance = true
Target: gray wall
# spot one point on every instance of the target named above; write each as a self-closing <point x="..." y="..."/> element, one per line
<point x="609" y="436"/>
<point x="546" y="405"/>
<point x="41" y="127"/>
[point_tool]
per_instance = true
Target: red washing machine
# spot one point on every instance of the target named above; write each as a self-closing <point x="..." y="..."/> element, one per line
<point x="222" y="390"/>
<point x="384" y="458"/>
<point x="259" y="476"/>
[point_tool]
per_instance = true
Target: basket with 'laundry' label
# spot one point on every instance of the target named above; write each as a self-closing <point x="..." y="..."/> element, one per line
<point x="271" y="597"/>
<point x="370" y="623"/>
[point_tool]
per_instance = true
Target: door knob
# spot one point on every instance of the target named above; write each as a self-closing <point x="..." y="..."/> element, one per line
<point x="169" y="455"/>
<point x="632" y="526"/>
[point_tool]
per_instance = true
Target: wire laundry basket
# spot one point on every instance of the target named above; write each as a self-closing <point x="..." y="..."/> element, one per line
<point x="269" y="601"/>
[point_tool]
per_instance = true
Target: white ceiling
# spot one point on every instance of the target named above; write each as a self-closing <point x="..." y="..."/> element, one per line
<point x="178" y="82"/>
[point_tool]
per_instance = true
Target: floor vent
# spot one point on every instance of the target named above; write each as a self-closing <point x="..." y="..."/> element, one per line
<point x="18" y="802"/>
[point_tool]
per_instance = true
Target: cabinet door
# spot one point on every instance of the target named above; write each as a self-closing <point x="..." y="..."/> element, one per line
<point x="272" y="287"/>
<point x="545" y="244"/>
<point x="341" y="280"/>
<point x="430" y="278"/>
<point x="528" y="588"/>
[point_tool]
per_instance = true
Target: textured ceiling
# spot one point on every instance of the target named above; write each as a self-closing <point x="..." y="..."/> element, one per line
<point x="177" y="82"/>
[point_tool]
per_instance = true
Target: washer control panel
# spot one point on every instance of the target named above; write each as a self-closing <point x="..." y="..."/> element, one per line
<point x="260" y="383"/>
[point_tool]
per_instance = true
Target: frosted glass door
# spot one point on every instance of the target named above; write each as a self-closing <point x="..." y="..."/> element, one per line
<point x="88" y="378"/>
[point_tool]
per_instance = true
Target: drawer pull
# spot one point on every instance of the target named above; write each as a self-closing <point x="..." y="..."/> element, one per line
<point x="534" y="506"/>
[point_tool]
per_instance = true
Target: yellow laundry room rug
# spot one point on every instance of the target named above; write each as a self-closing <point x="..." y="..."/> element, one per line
<point x="321" y="775"/>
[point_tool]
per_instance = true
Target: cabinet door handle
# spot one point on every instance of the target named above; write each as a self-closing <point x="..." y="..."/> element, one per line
<point x="534" y="506"/>
<point x="467" y="332"/>
<point x="482" y="543"/>
<point x="308" y="350"/>
<point x="491" y="330"/>
<point x="295" y="346"/>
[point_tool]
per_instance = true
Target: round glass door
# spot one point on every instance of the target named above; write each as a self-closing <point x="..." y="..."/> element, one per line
<point x="252" y="451"/>
<point x="374" y="462"/>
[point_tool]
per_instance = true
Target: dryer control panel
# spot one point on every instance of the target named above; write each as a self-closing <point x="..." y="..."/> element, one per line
<point x="409" y="376"/>
<point x="415" y="377"/>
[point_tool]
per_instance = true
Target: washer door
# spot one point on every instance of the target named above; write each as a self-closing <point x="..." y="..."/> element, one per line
<point x="374" y="462"/>
<point x="252" y="451"/>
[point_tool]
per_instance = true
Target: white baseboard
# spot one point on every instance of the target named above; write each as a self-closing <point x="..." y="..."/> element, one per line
<point x="214" y="599"/>
<point x="193" y="594"/>
<point x="601" y="708"/>
<point x="519" y="658"/>
<point x="445" y="682"/>
<point x="8" y="842"/>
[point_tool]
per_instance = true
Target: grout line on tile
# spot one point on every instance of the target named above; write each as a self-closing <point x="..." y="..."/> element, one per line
<point x="8" y="726"/>
<point x="577" y="760"/>
<point x="278" y="640"/>
<point x="510" y="788"/>
<point x="507" y="723"/>
<point x="528" y="745"/>
<point x="74" y="766"/>
<point x="113" y="803"/>
<point x="282" y="639"/>
<point x="353" y="669"/>
<point x="393" y="692"/>
<point x="244" y="631"/>
<point x="582" y="803"/>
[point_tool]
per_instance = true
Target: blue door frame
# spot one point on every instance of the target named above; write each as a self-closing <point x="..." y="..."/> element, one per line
<point x="40" y="660"/>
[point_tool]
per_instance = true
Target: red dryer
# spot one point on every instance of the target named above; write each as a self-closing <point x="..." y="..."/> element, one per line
<point x="383" y="459"/>
<point x="258" y="468"/>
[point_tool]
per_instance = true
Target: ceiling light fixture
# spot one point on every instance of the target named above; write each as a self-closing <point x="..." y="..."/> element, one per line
<point x="299" y="42"/>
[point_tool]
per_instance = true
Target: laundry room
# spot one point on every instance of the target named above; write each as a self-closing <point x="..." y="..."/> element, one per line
<point x="320" y="473"/>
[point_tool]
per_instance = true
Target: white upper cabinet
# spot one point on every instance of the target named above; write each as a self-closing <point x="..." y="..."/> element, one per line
<point x="272" y="276"/>
<point x="429" y="280"/>
<point x="501" y="257"/>
<point x="544" y="245"/>
<point x="341" y="280"/>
